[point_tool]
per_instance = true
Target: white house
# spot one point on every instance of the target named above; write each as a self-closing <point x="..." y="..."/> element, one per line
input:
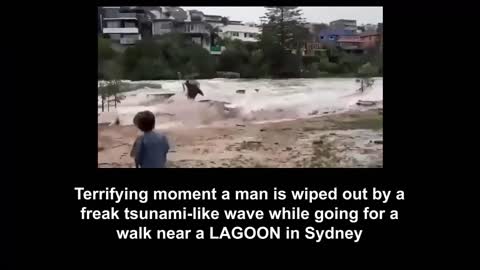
<point x="244" y="32"/>
<point x="120" y="26"/>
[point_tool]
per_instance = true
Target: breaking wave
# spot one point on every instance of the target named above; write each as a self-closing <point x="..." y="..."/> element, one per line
<point x="275" y="100"/>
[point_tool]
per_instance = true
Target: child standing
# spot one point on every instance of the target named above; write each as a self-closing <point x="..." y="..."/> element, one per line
<point x="150" y="149"/>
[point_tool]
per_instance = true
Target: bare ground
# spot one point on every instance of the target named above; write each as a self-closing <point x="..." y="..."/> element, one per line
<point x="353" y="139"/>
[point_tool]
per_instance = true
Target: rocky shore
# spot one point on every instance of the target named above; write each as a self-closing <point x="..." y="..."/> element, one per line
<point x="352" y="139"/>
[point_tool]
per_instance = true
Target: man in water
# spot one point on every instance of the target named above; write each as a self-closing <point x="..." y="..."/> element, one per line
<point x="361" y="89"/>
<point x="192" y="90"/>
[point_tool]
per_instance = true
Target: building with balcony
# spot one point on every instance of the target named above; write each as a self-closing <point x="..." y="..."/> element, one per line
<point x="351" y="44"/>
<point x="245" y="32"/>
<point x="119" y="26"/>
<point x="193" y="24"/>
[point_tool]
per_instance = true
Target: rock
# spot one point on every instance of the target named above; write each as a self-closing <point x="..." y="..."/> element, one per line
<point x="238" y="125"/>
<point x="378" y="142"/>
<point x="262" y="130"/>
<point x="240" y="91"/>
<point x="314" y="112"/>
<point x="366" y="103"/>
<point x="279" y="110"/>
<point x="276" y="143"/>
<point x="333" y="133"/>
<point x="256" y="90"/>
<point x="101" y="148"/>
<point x="325" y="112"/>
<point x="319" y="142"/>
<point x="286" y="129"/>
<point x="163" y="95"/>
<point x="288" y="148"/>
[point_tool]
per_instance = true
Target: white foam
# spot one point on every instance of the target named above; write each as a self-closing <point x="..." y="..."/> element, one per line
<point x="277" y="100"/>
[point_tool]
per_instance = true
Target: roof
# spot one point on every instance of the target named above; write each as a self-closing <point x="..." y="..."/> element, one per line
<point x="367" y="34"/>
<point x="240" y="28"/>
<point x="343" y="20"/>
<point x="350" y="39"/>
<point x="120" y="19"/>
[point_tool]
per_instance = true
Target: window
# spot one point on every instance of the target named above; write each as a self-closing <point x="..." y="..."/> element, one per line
<point x="129" y="24"/>
<point x="235" y="34"/>
<point x="192" y="27"/>
<point x="244" y="35"/>
<point x="113" y="24"/>
<point x="166" y="25"/>
<point x="331" y="37"/>
<point x="321" y="37"/>
<point x="115" y="36"/>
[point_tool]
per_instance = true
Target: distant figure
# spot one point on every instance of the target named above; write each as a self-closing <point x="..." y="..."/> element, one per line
<point x="362" y="88"/>
<point x="150" y="149"/>
<point x="192" y="90"/>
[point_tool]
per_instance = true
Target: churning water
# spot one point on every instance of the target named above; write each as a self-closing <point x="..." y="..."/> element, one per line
<point x="275" y="100"/>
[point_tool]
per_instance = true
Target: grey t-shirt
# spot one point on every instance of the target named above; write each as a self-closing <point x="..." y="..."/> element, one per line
<point x="150" y="150"/>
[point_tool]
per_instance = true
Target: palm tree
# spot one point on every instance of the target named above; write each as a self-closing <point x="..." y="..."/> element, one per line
<point x="213" y="34"/>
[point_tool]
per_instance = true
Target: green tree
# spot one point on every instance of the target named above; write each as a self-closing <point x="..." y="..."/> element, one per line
<point x="287" y="24"/>
<point x="105" y="53"/>
<point x="283" y="30"/>
<point x="112" y="71"/>
<point x="365" y="72"/>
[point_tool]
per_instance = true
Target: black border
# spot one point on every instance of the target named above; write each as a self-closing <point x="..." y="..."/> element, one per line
<point x="57" y="153"/>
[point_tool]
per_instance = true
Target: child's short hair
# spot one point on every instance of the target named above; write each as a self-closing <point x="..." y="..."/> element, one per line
<point x="145" y="121"/>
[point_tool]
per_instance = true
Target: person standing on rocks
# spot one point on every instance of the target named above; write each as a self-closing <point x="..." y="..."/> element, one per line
<point x="149" y="149"/>
<point x="192" y="90"/>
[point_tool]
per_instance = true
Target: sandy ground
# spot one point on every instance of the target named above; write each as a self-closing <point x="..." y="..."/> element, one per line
<point x="353" y="139"/>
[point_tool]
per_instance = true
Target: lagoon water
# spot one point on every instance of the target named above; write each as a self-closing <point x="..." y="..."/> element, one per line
<point x="276" y="100"/>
